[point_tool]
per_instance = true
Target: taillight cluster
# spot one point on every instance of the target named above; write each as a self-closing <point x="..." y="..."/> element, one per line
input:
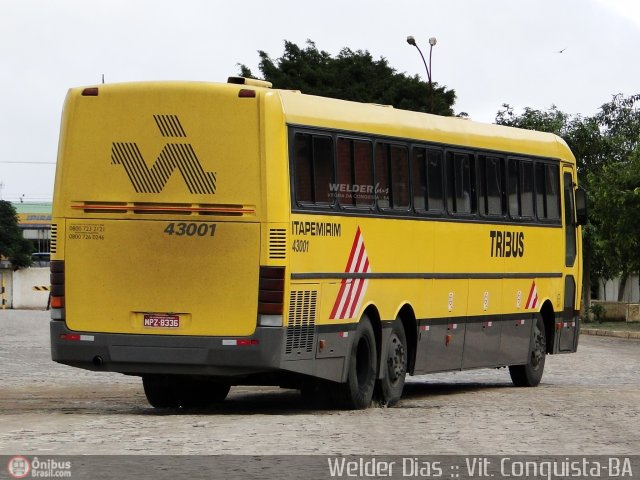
<point x="271" y="291"/>
<point x="57" y="288"/>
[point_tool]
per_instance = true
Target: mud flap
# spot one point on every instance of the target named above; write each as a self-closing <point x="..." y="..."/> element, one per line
<point x="568" y="326"/>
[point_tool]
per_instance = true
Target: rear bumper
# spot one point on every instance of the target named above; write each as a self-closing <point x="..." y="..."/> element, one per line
<point x="168" y="354"/>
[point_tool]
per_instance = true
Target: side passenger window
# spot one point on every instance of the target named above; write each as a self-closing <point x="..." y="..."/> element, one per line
<point x="491" y="197"/>
<point x="392" y="177"/>
<point x="355" y="173"/>
<point x="314" y="169"/>
<point x="427" y="180"/>
<point x="460" y="183"/>
<point x="520" y="182"/>
<point x="547" y="192"/>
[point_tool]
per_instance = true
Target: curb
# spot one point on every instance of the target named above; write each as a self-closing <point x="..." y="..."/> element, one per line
<point x="610" y="333"/>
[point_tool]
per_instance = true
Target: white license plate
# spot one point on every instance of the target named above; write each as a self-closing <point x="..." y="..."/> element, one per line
<point x="161" y="321"/>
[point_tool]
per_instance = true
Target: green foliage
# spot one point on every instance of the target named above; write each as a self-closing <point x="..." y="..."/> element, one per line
<point x="597" y="311"/>
<point x="615" y="193"/>
<point x="355" y="76"/>
<point x="583" y="135"/>
<point x="607" y="149"/>
<point x="12" y="245"/>
<point x="551" y="121"/>
<point x="614" y="185"/>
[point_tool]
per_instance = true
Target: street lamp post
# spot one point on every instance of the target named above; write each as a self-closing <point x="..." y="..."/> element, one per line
<point x="432" y="41"/>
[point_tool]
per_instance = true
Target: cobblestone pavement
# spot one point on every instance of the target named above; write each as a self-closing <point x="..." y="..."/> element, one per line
<point x="588" y="403"/>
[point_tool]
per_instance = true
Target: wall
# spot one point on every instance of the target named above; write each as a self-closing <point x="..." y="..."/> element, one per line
<point x="609" y="291"/>
<point x="619" y="311"/>
<point x="6" y="276"/>
<point x="24" y="295"/>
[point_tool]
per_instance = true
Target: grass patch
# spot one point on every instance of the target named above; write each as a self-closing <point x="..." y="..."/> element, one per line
<point x="619" y="326"/>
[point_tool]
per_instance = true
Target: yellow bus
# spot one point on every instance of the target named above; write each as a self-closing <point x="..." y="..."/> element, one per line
<point x="209" y="235"/>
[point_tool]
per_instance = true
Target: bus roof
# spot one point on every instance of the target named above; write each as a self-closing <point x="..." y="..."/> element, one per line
<point x="315" y="111"/>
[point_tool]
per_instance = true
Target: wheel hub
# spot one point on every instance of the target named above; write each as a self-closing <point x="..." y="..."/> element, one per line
<point x="396" y="360"/>
<point x="539" y="347"/>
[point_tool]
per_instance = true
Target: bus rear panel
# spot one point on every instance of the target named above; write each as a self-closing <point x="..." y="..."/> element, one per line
<point x="157" y="231"/>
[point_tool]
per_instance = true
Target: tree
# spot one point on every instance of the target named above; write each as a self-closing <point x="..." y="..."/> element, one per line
<point x="551" y="121"/>
<point x="12" y="245"/>
<point x="352" y="76"/>
<point x="616" y="203"/>
<point x="607" y="150"/>
<point x="615" y="187"/>
<point x="582" y="134"/>
<point x="583" y="137"/>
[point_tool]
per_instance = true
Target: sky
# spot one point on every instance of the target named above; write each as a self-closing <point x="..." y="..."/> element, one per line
<point x="574" y="54"/>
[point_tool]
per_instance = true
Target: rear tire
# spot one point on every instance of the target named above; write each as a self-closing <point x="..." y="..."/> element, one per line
<point x="357" y="392"/>
<point x="159" y="391"/>
<point x="394" y="363"/>
<point x="315" y="393"/>
<point x="201" y="392"/>
<point x="174" y="391"/>
<point x="530" y="375"/>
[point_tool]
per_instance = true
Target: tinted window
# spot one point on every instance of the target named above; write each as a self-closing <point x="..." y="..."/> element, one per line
<point x="553" y="192"/>
<point x="355" y="173"/>
<point x="314" y="173"/>
<point x="526" y="195"/>
<point x="541" y="203"/>
<point x="491" y="186"/>
<point x="392" y="176"/>
<point x="419" y="178"/>
<point x="400" y="190"/>
<point x="521" y="191"/>
<point x="547" y="192"/>
<point x="383" y="182"/>
<point x="460" y="181"/>
<point x="363" y="173"/>
<point x="427" y="179"/>
<point x="435" y="184"/>
<point x="514" y="189"/>
<point x="303" y="168"/>
<point x="330" y="170"/>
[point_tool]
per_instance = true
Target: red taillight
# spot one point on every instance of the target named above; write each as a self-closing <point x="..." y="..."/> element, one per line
<point x="247" y="93"/>
<point x="57" y="302"/>
<point x="73" y="337"/>
<point x="271" y="291"/>
<point x="57" y="285"/>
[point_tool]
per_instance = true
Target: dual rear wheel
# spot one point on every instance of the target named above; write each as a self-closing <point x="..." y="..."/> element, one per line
<point x="362" y="384"/>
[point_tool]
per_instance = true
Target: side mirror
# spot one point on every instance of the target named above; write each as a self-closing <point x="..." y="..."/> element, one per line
<point x="581" y="206"/>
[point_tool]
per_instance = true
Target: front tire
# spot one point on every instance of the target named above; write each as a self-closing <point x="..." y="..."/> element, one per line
<point x="530" y="375"/>
<point x="357" y="392"/>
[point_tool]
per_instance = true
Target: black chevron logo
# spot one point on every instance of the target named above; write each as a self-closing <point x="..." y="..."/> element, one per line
<point x="180" y="156"/>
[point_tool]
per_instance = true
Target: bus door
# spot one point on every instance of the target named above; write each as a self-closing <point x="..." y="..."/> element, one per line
<point x="568" y="324"/>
